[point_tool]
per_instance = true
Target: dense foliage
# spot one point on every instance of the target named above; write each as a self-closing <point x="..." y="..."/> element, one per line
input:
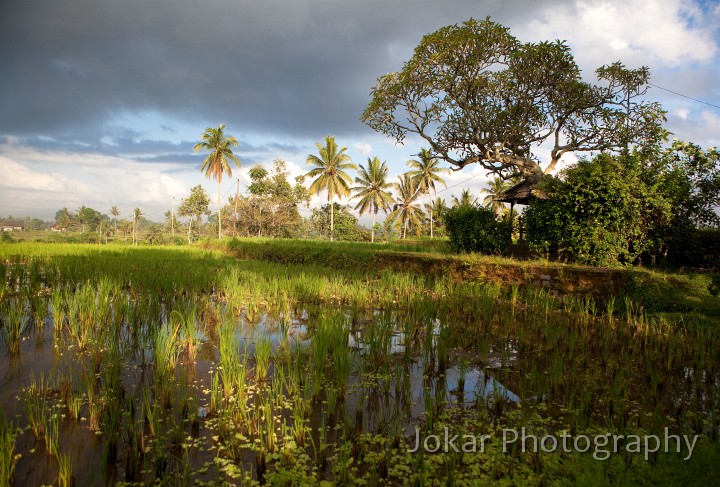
<point x="476" y="229"/>
<point x="345" y="224"/>
<point x="271" y="206"/>
<point x="600" y="212"/>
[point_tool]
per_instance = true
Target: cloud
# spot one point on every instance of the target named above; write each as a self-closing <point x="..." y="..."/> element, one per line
<point x="363" y="148"/>
<point x="41" y="182"/>
<point x="662" y="33"/>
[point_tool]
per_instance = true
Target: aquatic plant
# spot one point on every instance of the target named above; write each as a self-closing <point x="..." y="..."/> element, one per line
<point x="8" y="457"/>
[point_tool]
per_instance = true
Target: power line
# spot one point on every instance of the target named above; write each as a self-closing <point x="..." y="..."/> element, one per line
<point x="450" y="187"/>
<point x="684" y="96"/>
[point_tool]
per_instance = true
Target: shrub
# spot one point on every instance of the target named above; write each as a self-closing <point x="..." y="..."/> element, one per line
<point x="475" y="229"/>
<point x="600" y="212"/>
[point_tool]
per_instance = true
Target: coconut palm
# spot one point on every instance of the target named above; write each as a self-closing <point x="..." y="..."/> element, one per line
<point x="329" y="171"/>
<point x="114" y="211"/>
<point x="426" y="169"/>
<point x="466" y="199"/>
<point x="406" y="210"/>
<point x="437" y="208"/>
<point x="495" y="188"/>
<point x="371" y="189"/>
<point x="137" y="214"/>
<point x="216" y="163"/>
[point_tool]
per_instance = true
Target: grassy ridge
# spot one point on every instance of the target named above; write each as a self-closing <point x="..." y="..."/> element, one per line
<point x="675" y="296"/>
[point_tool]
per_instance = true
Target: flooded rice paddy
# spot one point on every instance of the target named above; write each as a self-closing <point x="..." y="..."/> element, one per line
<point x="168" y="367"/>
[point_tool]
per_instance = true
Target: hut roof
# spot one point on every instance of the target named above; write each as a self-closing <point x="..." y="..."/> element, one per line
<point x="521" y="193"/>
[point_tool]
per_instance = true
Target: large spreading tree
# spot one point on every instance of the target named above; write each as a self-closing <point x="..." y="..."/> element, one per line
<point x="476" y="94"/>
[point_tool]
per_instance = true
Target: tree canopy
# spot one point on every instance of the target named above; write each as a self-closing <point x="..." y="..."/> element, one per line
<point x="476" y="94"/>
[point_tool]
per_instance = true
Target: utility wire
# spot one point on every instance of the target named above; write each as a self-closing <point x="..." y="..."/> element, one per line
<point x="684" y="96"/>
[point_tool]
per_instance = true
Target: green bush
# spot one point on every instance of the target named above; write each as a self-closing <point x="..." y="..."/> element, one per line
<point x="476" y="229"/>
<point x="600" y="212"/>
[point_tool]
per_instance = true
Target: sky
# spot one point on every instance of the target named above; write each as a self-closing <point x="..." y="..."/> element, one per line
<point x="101" y="101"/>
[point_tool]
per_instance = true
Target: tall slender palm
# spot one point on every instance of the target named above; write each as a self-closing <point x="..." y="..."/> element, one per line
<point x="137" y="214"/>
<point x="426" y="169"/>
<point x="494" y="189"/>
<point x="371" y="189"/>
<point x="114" y="211"/>
<point x="436" y="207"/>
<point x="406" y="210"/>
<point x="216" y="163"/>
<point x="466" y="199"/>
<point x="329" y="171"/>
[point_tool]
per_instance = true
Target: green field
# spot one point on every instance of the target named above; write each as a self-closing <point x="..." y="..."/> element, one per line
<point x="248" y="362"/>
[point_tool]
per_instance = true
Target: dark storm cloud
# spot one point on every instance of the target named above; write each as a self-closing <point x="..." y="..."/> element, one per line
<point x="293" y="67"/>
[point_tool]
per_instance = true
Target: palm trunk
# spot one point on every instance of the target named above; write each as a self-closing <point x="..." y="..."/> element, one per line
<point x="237" y="195"/>
<point x="405" y="228"/>
<point x="219" y="221"/>
<point x="372" y="231"/>
<point x="431" y="225"/>
<point x="332" y="215"/>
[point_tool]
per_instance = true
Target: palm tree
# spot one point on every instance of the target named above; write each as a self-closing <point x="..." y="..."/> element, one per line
<point x="494" y="189"/>
<point x="405" y="210"/>
<point x="114" y="211"/>
<point x="436" y="207"/>
<point x="330" y="173"/>
<point x="137" y="213"/>
<point x="216" y="163"/>
<point x="371" y="189"/>
<point x="426" y="171"/>
<point x="466" y="199"/>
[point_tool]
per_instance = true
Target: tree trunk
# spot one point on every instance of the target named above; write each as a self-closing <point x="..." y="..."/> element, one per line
<point x="404" y="228"/>
<point x="431" y="225"/>
<point x="372" y="231"/>
<point x="219" y="222"/>
<point x="332" y="215"/>
<point x="237" y="195"/>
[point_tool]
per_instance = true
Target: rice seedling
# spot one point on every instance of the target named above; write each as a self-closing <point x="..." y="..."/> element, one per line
<point x="15" y="323"/>
<point x="52" y="434"/>
<point x="263" y="352"/>
<point x="166" y="348"/>
<point x="36" y="407"/>
<point x="8" y="457"/>
<point x="65" y="477"/>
